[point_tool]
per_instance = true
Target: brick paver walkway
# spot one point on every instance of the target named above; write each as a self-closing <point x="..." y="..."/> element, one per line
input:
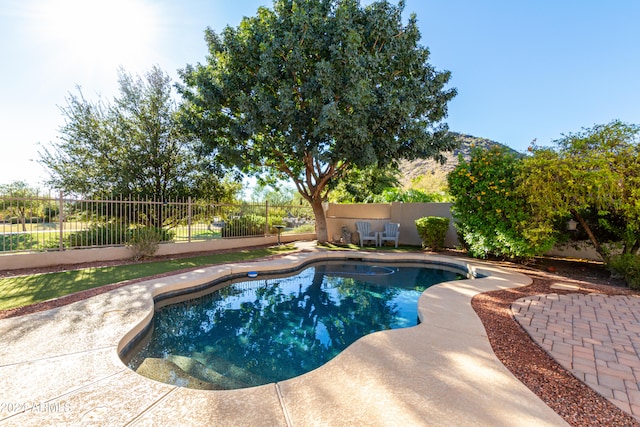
<point x="595" y="337"/>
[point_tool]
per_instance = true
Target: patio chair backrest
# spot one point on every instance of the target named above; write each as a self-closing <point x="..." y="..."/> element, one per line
<point x="364" y="228"/>
<point x="391" y="229"/>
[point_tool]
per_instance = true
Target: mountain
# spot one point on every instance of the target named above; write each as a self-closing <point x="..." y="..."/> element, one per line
<point x="412" y="170"/>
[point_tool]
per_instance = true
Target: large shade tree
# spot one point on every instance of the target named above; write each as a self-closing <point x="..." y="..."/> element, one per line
<point x="364" y="185"/>
<point x="132" y="146"/>
<point x="311" y="88"/>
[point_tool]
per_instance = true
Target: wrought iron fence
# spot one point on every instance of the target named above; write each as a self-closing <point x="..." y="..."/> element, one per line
<point x="47" y="223"/>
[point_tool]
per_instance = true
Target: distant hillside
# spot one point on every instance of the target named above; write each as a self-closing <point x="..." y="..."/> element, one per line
<point x="413" y="169"/>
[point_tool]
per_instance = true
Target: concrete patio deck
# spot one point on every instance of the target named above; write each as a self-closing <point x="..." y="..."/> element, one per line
<point x="61" y="367"/>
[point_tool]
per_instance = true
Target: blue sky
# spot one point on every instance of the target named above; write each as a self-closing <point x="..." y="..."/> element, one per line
<point x="524" y="70"/>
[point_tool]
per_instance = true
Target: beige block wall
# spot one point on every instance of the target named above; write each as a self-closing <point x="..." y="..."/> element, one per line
<point x="407" y="213"/>
<point x="380" y="213"/>
<point x="77" y="256"/>
<point x="359" y="211"/>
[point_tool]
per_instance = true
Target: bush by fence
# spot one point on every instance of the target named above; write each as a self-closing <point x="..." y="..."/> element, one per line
<point x="144" y="241"/>
<point x="17" y="220"/>
<point x="250" y="225"/>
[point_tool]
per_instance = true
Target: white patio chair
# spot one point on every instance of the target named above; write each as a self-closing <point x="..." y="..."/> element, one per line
<point x="390" y="233"/>
<point x="365" y="233"/>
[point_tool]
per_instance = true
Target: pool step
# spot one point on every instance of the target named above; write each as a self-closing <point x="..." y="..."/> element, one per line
<point x="168" y="372"/>
<point x="197" y="369"/>
<point x="229" y="369"/>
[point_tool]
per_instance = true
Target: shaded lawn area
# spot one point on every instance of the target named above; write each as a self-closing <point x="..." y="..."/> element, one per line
<point x="20" y="291"/>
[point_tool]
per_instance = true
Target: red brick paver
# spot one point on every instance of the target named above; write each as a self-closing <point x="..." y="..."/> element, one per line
<point x="596" y="337"/>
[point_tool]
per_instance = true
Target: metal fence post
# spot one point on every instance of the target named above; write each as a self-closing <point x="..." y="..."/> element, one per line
<point x="61" y="218"/>
<point x="266" y="215"/>
<point x="188" y="219"/>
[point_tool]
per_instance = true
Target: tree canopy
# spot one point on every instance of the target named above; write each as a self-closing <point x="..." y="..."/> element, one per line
<point x="597" y="170"/>
<point x="363" y="185"/>
<point x="492" y="216"/>
<point x="311" y="88"/>
<point x="133" y="146"/>
<point x="22" y="201"/>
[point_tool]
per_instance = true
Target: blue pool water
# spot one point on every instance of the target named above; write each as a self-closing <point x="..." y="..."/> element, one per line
<point x="270" y="329"/>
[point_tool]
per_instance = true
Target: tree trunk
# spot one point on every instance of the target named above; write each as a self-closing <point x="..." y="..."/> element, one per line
<point x="322" y="233"/>
<point x="592" y="236"/>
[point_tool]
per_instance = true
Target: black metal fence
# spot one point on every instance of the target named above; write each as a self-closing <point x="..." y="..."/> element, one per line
<point x="48" y="223"/>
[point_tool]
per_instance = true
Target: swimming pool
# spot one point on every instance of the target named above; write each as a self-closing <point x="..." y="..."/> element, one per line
<point x="250" y="332"/>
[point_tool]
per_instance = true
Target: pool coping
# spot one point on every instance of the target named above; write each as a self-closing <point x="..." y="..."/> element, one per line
<point x="62" y="366"/>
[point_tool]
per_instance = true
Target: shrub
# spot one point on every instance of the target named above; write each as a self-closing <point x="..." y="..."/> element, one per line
<point x="305" y="228"/>
<point x="162" y="234"/>
<point x="491" y="216"/>
<point x="19" y="241"/>
<point x="273" y="221"/>
<point x="432" y="231"/>
<point x="627" y="266"/>
<point x="144" y="241"/>
<point x="113" y="233"/>
<point x="247" y="225"/>
<point x="98" y="235"/>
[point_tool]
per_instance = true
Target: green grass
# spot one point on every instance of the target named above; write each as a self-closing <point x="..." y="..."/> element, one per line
<point x="25" y="290"/>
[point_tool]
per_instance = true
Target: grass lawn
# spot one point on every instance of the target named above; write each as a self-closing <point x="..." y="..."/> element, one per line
<point x="25" y="290"/>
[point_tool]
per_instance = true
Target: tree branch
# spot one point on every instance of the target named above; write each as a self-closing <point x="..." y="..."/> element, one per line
<point x="592" y="237"/>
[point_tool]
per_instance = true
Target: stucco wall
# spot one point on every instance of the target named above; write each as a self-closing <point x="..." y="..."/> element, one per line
<point x="380" y="213"/>
<point x="583" y="249"/>
<point x="77" y="256"/>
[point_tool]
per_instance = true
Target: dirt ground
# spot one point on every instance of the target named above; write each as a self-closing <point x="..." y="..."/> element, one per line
<point x="578" y="404"/>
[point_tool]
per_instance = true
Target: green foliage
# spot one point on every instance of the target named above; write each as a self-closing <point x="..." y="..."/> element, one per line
<point x="50" y="213"/>
<point x="596" y="170"/>
<point x="20" y="204"/>
<point x="273" y="221"/>
<point x="364" y="185"/>
<point x="158" y="233"/>
<point x="98" y="234"/>
<point x="247" y="225"/>
<point x="275" y="194"/>
<point x="430" y="176"/>
<point x="628" y="266"/>
<point x="32" y="220"/>
<point x="144" y="241"/>
<point x="312" y="89"/>
<point x="491" y="216"/>
<point x="18" y="189"/>
<point x="252" y="225"/>
<point x="113" y="233"/>
<point x="304" y="228"/>
<point x="21" y="241"/>
<point x="431" y="183"/>
<point x="133" y="145"/>
<point x="432" y="231"/>
<point x="410" y="196"/>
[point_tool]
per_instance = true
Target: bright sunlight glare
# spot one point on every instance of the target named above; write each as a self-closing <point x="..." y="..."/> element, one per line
<point x="98" y="32"/>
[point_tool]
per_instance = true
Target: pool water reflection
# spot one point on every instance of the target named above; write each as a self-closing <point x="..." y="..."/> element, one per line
<point x="270" y="329"/>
